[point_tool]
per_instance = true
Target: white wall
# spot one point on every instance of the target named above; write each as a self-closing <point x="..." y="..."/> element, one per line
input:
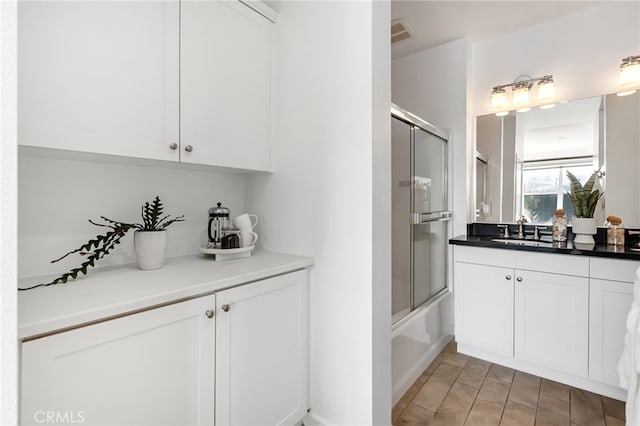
<point x="381" y="283"/>
<point x="320" y="200"/>
<point x="582" y="51"/>
<point x="58" y="194"/>
<point x="8" y="217"/>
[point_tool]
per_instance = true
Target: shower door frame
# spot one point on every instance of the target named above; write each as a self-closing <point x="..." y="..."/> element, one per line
<point x="446" y="215"/>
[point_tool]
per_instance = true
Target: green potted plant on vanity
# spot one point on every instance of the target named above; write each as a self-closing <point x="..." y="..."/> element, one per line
<point x="584" y="199"/>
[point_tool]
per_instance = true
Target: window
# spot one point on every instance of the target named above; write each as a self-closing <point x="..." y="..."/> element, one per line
<point x="545" y="184"/>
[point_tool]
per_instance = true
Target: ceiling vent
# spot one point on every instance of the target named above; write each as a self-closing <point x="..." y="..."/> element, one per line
<point x="400" y="30"/>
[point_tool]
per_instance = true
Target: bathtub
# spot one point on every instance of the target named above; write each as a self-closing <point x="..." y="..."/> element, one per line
<point x="417" y="339"/>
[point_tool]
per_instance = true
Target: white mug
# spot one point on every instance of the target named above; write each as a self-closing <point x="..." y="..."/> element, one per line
<point x="245" y="223"/>
<point x="248" y="238"/>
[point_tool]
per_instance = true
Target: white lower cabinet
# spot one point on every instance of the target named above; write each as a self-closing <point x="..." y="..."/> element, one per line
<point x="558" y="316"/>
<point x="240" y="361"/>
<point x="532" y="316"/>
<point x="551" y="321"/>
<point x="610" y="304"/>
<point x="151" y="368"/>
<point x="261" y="352"/>
<point x="611" y="294"/>
<point x="484" y="307"/>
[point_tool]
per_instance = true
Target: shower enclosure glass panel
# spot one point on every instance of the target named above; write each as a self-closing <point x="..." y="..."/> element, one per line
<point x="429" y="202"/>
<point x="429" y="253"/>
<point x="419" y="212"/>
<point x="401" y="220"/>
<point x="429" y="170"/>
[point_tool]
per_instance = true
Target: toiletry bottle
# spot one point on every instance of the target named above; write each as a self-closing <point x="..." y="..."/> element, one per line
<point x="615" y="231"/>
<point x="559" y="222"/>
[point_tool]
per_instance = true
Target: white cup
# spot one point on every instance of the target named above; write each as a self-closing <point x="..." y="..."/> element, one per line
<point x="245" y="222"/>
<point x="248" y="238"/>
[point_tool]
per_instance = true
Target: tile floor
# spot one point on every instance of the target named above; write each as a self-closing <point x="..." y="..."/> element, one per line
<point x="457" y="389"/>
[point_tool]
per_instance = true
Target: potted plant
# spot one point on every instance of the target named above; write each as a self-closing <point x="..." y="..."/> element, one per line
<point x="584" y="199"/>
<point x="150" y="241"/>
<point x="150" y="238"/>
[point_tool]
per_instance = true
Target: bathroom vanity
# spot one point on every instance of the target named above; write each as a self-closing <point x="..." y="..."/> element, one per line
<point x="196" y="342"/>
<point x="556" y="312"/>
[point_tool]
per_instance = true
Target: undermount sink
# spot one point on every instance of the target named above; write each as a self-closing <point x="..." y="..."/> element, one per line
<point x="523" y="242"/>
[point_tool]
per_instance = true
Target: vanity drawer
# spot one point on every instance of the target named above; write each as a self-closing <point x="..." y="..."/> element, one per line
<point x="614" y="269"/>
<point x="529" y="261"/>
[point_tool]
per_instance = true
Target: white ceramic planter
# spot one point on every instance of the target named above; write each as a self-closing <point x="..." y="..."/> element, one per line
<point x="584" y="228"/>
<point x="151" y="248"/>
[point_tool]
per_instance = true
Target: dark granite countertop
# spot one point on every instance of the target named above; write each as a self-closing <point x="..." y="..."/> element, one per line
<point x="482" y="236"/>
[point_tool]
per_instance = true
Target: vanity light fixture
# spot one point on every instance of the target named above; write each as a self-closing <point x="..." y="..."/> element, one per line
<point x="629" y="75"/>
<point x="521" y="96"/>
<point x="521" y="89"/>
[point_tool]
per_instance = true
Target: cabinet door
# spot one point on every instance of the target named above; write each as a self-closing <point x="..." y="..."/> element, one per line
<point x="153" y="368"/>
<point x="609" y="302"/>
<point x="484" y="307"/>
<point x="99" y="76"/>
<point x="551" y="321"/>
<point x="261" y="352"/>
<point x="225" y="85"/>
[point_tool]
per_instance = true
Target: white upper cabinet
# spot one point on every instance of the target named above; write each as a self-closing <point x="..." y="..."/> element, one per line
<point x="182" y="81"/>
<point x="225" y="85"/>
<point x="99" y="77"/>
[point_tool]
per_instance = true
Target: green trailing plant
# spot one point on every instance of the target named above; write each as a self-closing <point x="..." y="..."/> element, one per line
<point x="100" y="246"/>
<point x="584" y="197"/>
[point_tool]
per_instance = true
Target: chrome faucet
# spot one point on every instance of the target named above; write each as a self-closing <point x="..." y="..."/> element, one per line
<point x="536" y="232"/>
<point x="505" y="234"/>
<point x="521" y="223"/>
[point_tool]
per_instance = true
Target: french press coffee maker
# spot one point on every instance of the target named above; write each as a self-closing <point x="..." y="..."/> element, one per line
<point x="218" y="220"/>
<point x="222" y="234"/>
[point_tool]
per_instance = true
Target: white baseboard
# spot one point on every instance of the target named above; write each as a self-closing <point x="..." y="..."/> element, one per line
<point x="313" y="419"/>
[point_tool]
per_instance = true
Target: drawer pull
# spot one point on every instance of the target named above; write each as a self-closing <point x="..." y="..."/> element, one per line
<point x="225" y="307"/>
<point x="209" y="313"/>
<point x="508" y="277"/>
<point x="519" y="279"/>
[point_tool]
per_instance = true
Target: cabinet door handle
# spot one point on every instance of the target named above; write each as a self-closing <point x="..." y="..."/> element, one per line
<point x="519" y="279"/>
<point x="508" y="277"/>
<point x="225" y="307"/>
<point x="188" y="148"/>
<point x="173" y="146"/>
<point x="209" y="313"/>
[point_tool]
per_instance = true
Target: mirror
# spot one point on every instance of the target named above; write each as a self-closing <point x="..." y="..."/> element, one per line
<point x="522" y="159"/>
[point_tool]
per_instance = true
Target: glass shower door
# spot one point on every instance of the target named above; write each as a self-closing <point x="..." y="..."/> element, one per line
<point x="430" y="216"/>
<point x="401" y="218"/>
<point x="419" y="212"/>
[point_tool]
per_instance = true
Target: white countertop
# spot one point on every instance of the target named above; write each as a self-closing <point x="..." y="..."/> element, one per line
<point x="107" y="293"/>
